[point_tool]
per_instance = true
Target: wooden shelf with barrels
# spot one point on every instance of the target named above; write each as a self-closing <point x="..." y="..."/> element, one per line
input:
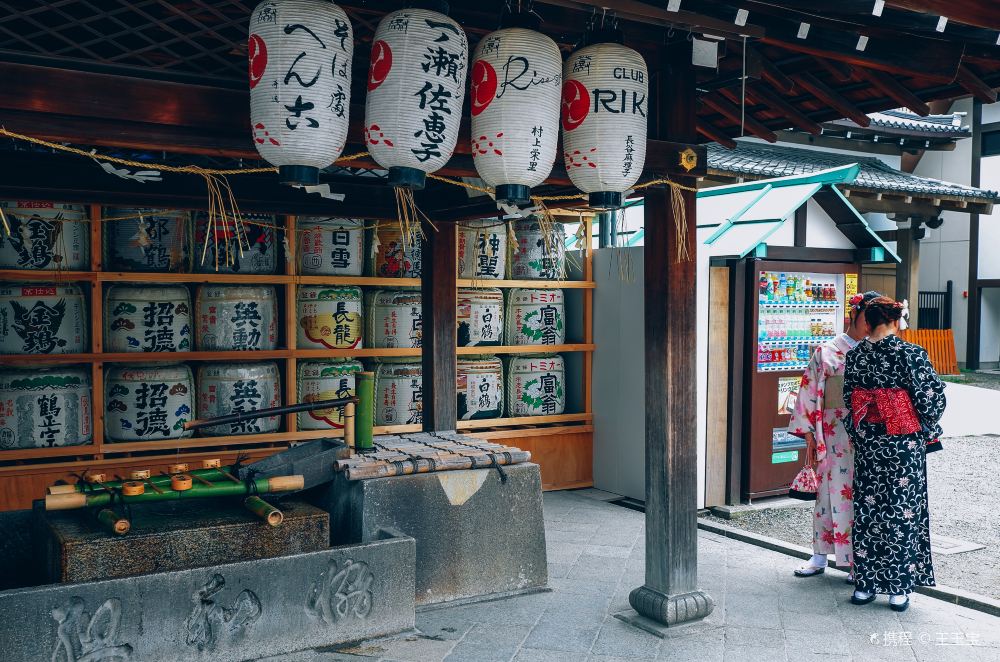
<point x="545" y="359"/>
<point x="24" y="472"/>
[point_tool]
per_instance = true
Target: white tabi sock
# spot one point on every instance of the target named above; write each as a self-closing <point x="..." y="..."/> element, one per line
<point x="818" y="561"/>
<point x="898" y="599"/>
<point x="862" y="595"/>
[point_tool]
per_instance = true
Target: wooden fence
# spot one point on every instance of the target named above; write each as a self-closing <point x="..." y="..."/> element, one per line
<point x="940" y="346"/>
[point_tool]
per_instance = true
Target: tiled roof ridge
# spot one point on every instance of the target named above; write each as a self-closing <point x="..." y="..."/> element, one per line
<point x="780" y="160"/>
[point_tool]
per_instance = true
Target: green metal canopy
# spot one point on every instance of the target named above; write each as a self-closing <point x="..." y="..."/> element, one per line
<point x="740" y="219"/>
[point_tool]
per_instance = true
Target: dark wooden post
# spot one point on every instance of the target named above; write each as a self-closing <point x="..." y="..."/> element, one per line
<point x="670" y="595"/>
<point x="440" y="321"/>
<point x="974" y="326"/>
<point x="908" y="269"/>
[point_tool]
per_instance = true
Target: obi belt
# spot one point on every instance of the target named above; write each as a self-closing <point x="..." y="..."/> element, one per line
<point x="890" y="406"/>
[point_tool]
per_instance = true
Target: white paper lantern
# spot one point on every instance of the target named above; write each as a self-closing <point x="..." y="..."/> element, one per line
<point x="300" y="85"/>
<point x="604" y="104"/>
<point x="416" y="86"/>
<point x="516" y="85"/>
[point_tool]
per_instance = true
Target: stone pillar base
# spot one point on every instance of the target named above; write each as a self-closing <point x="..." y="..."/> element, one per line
<point x="656" y="609"/>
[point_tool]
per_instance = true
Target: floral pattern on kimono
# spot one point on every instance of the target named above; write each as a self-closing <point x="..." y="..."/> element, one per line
<point x="892" y="549"/>
<point x="820" y="409"/>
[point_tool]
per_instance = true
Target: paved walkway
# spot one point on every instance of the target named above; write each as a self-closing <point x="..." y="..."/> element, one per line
<point x="763" y="614"/>
<point x="966" y="413"/>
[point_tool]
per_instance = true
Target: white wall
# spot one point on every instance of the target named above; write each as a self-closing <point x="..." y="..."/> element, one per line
<point x="944" y="253"/>
<point x="619" y="376"/>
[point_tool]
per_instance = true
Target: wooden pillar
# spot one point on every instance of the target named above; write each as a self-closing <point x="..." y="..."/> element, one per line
<point x="974" y="327"/>
<point x="439" y="265"/>
<point x="670" y="595"/>
<point x="908" y="269"/>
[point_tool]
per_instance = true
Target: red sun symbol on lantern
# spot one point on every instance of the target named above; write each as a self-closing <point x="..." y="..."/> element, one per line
<point x="484" y="86"/>
<point x="257" y="54"/>
<point x="381" y="64"/>
<point x="575" y="104"/>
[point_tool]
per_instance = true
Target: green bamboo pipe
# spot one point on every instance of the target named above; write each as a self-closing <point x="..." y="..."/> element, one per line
<point x="160" y="481"/>
<point x="74" y="500"/>
<point x="364" y="389"/>
<point x="264" y="510"/>
<point x="110" y="520"/>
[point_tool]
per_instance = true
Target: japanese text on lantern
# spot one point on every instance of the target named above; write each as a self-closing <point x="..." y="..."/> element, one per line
<point x="445" y="58"/>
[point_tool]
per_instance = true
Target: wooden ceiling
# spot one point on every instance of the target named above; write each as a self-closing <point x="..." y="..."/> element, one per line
<point x="767" y="79"/>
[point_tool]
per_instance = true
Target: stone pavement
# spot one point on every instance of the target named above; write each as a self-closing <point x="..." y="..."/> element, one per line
<point x="762" y="614"/>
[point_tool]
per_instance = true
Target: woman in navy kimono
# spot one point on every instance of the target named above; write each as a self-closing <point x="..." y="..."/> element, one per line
<point x="896" y="400"/>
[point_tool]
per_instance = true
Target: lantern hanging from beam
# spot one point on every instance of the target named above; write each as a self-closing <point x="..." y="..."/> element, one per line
<point x="416" y="86"/>
<point x="300" y="55"/>
<point x="516" y="80"/>
<point x="604" y="104"/>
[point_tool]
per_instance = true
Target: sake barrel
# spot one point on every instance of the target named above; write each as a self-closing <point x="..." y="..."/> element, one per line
<point x="399" y="392"/>
<point x="480" y="388"/>
<point x="331" y="246"/>
<point x="482" y="249"/>
<point x="391" y="258"/>
<point x="147" y="319"/>
<point x="228" y="388"/>
<point x="536" y="385"/>
<point x="45" y="235"/>
<point x="535" y="317"/>
<point x="45" y="407"/>
<point x="147" y="239"/>
<point x="148" y="402"/>
<point x="395" y="318"/>
<point x="325" y="380"/>
<point x="480" y="316"/>
<point x="236" y="317"/>
<point x="42" y="318"/>
<point x="329" y="317"/>
<point x="255" y="232"/>
<point x="537" y="256"/>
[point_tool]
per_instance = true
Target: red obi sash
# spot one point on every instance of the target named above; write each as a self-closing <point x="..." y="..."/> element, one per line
<point x="891" y="406"/>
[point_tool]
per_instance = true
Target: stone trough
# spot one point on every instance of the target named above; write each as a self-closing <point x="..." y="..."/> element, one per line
<point x="234" y="612"/>
<point x="352" y="561"/>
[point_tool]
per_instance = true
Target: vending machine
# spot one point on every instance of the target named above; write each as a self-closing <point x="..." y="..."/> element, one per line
<point x="794" y="307"/>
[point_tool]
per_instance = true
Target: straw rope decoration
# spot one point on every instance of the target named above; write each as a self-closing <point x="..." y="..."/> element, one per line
<point x="222" y="201"/>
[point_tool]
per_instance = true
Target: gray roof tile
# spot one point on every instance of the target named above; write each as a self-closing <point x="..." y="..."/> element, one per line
<point x="779" y="161"/>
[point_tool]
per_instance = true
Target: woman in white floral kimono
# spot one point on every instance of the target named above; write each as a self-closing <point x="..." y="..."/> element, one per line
<point x="818" y="418"/>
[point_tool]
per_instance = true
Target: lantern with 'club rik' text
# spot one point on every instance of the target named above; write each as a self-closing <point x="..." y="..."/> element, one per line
<point x="604" y="103"/>
<point x="300" y="55"/>
<point x="516" y="78"/>
<point x="416" y="86"/>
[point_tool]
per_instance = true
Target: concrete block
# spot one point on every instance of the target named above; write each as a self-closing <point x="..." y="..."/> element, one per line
<point x="175" y="535"/>
<point x="224" y="613"/>
<point x="476" y="535"/>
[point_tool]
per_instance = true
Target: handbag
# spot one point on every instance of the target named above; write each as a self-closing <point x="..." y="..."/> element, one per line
<point x="805" y="485"/>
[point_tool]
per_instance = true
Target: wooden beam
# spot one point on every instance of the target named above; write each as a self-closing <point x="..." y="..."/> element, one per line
<point x="99" y="109"/>
<point x="643" y="12"/>
<point x="907" y="55"/>
<point x="761" y="94"/>
<point x="769" y="71"/>
<point x="895" y="90"/>
<point x="972" y="12"/>
<point x="440" y="321"/>
<point x="841" y="71"/>
<point x="732" y="112"/>
<point x="713" y="132"/>
<point x="975" y="85"/>
<point x="70" y="178"/>
<point x="827" y="96"/>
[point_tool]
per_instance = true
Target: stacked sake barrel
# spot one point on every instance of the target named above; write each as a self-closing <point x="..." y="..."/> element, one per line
<point x="535" y="383"/>
<point x="44" y="405"/>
